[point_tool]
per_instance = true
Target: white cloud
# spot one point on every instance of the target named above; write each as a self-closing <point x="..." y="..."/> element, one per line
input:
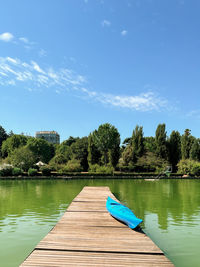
<point x="37" y="67"/>
<point x="143" y="102"/>
<point x="105" y="23"/>
<point x="12" y="60"/>
<point x="6" y="37"/>
<point x="24" y="40"/>
<point x="18" y="71"/>
<point x="124" y="32"/>
<point x="13" y="72"/>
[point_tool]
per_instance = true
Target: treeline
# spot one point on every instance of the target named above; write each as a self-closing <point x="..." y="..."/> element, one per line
<point x="102" y="152"/>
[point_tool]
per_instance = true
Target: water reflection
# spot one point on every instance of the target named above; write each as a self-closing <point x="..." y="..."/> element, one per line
<point x="179" y="200"/>
<point x="170" y="210"/>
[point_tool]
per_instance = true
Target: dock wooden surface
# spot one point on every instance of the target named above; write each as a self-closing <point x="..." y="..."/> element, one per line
<point x="87" y="235"/>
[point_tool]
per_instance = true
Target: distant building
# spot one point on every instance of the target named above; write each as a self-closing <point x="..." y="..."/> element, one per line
<point x="50" y="136"/>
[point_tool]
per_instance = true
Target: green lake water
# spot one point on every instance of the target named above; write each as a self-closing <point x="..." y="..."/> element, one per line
<point x="170" y="210"/>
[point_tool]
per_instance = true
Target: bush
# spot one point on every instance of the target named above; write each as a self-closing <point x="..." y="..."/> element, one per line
<point x="73" y="166"/>
<point x="189" y="167"/>
<point x="6" y="171"/>
<point x="149" y="162"/>
<point x="196" y="169"/>
<point x="32" y="172"/>
<point x="61" y="172"/>
<point x="16" y="171"/>
<point x="46" y="171"/>
<point x="101" y="169"/>
<point x="93" y="167"/>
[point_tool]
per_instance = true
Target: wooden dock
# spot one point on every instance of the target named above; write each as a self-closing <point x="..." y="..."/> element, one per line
<point x="87" y="235"/>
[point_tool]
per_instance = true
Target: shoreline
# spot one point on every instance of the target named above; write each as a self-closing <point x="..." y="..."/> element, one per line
<point x="79" y="177"/>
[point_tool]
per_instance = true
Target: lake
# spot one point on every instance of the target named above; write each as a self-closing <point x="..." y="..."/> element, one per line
<point x="170" y="210"/>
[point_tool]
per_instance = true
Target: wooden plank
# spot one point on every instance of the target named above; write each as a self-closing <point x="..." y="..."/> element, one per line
<point x="87" y="235"/>
<point x="67" y="258"/>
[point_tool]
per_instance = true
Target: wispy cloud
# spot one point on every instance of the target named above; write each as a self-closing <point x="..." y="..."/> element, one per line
<point x="24" y="40"/>
<point x="6" y="37"/>
<point x="148" y="101"/>
<point x="28" y="45"/>
<point x="13" y="72"/>
<point x="105" y="23"/>
<point x="194" y="114"/>
<point x="37" y="67"/>
<point x="124" y="32"/>
<point x="13" y="69"/>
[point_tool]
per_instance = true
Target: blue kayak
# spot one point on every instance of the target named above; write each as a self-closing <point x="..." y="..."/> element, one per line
<point x="122" y="213"/>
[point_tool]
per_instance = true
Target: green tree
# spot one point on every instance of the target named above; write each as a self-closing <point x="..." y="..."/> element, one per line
<point x="94" y="154"/>
<point x="73" y="165"/>
<point x="42" y="149"/>
<point x="79" y="150"/>
<point x="195" y="150"/>
<point x="126" y="142"/>
<point x="149" y="144"/>
<point x="57" y="160"/>
<point x="174" y="147"/>
<point x="11" y="143"/>
<point x="63" y="153"/>
<point x="106" y="139"/>
<point x="22" y="158"/>
<point x="160" y="141"/>
<point x="3" y="135"/>
<point x="186" y="143"/>
<point x="70" y="141"/>
<point x="189" y="167"/>
<point x="128" y="156"/>
<point x="137" y="141"/>
<point x="114" y="154"/>
<point x="149" y="162"/>
<point x="64" y="150"/>
<point x="10" y="133"/>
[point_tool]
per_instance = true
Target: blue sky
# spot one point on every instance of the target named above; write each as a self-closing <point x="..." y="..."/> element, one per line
<point x="71" y="65"/>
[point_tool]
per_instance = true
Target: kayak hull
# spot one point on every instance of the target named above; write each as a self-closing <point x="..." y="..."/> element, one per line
<point x="122" y="213"/>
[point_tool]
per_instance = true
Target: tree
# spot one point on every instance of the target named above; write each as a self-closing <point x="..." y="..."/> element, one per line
<point x="149" y="144"/>
<point x="10" y="133"/>
<point x="42" y="149"/>
<point x="195" y="150"/>
<point x="94" y="154"/>
<point x="106" y="139"/>
<point x="174" y="148"/>
<point x="70" y="141"/>
<point x="64" y="150"/>
<point x="137" y="141"/>
<point x="114" y="154"/>
<point x="11" y="143"/>
<point x="160" y="141"/>
<point x="128" y="155"/>
<point x="149" y="162"/>
<point x="3" y="136"/>
<point x="186" y="143"/>
<point x="23" y="158"/>
<point x="79" y="150"/>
